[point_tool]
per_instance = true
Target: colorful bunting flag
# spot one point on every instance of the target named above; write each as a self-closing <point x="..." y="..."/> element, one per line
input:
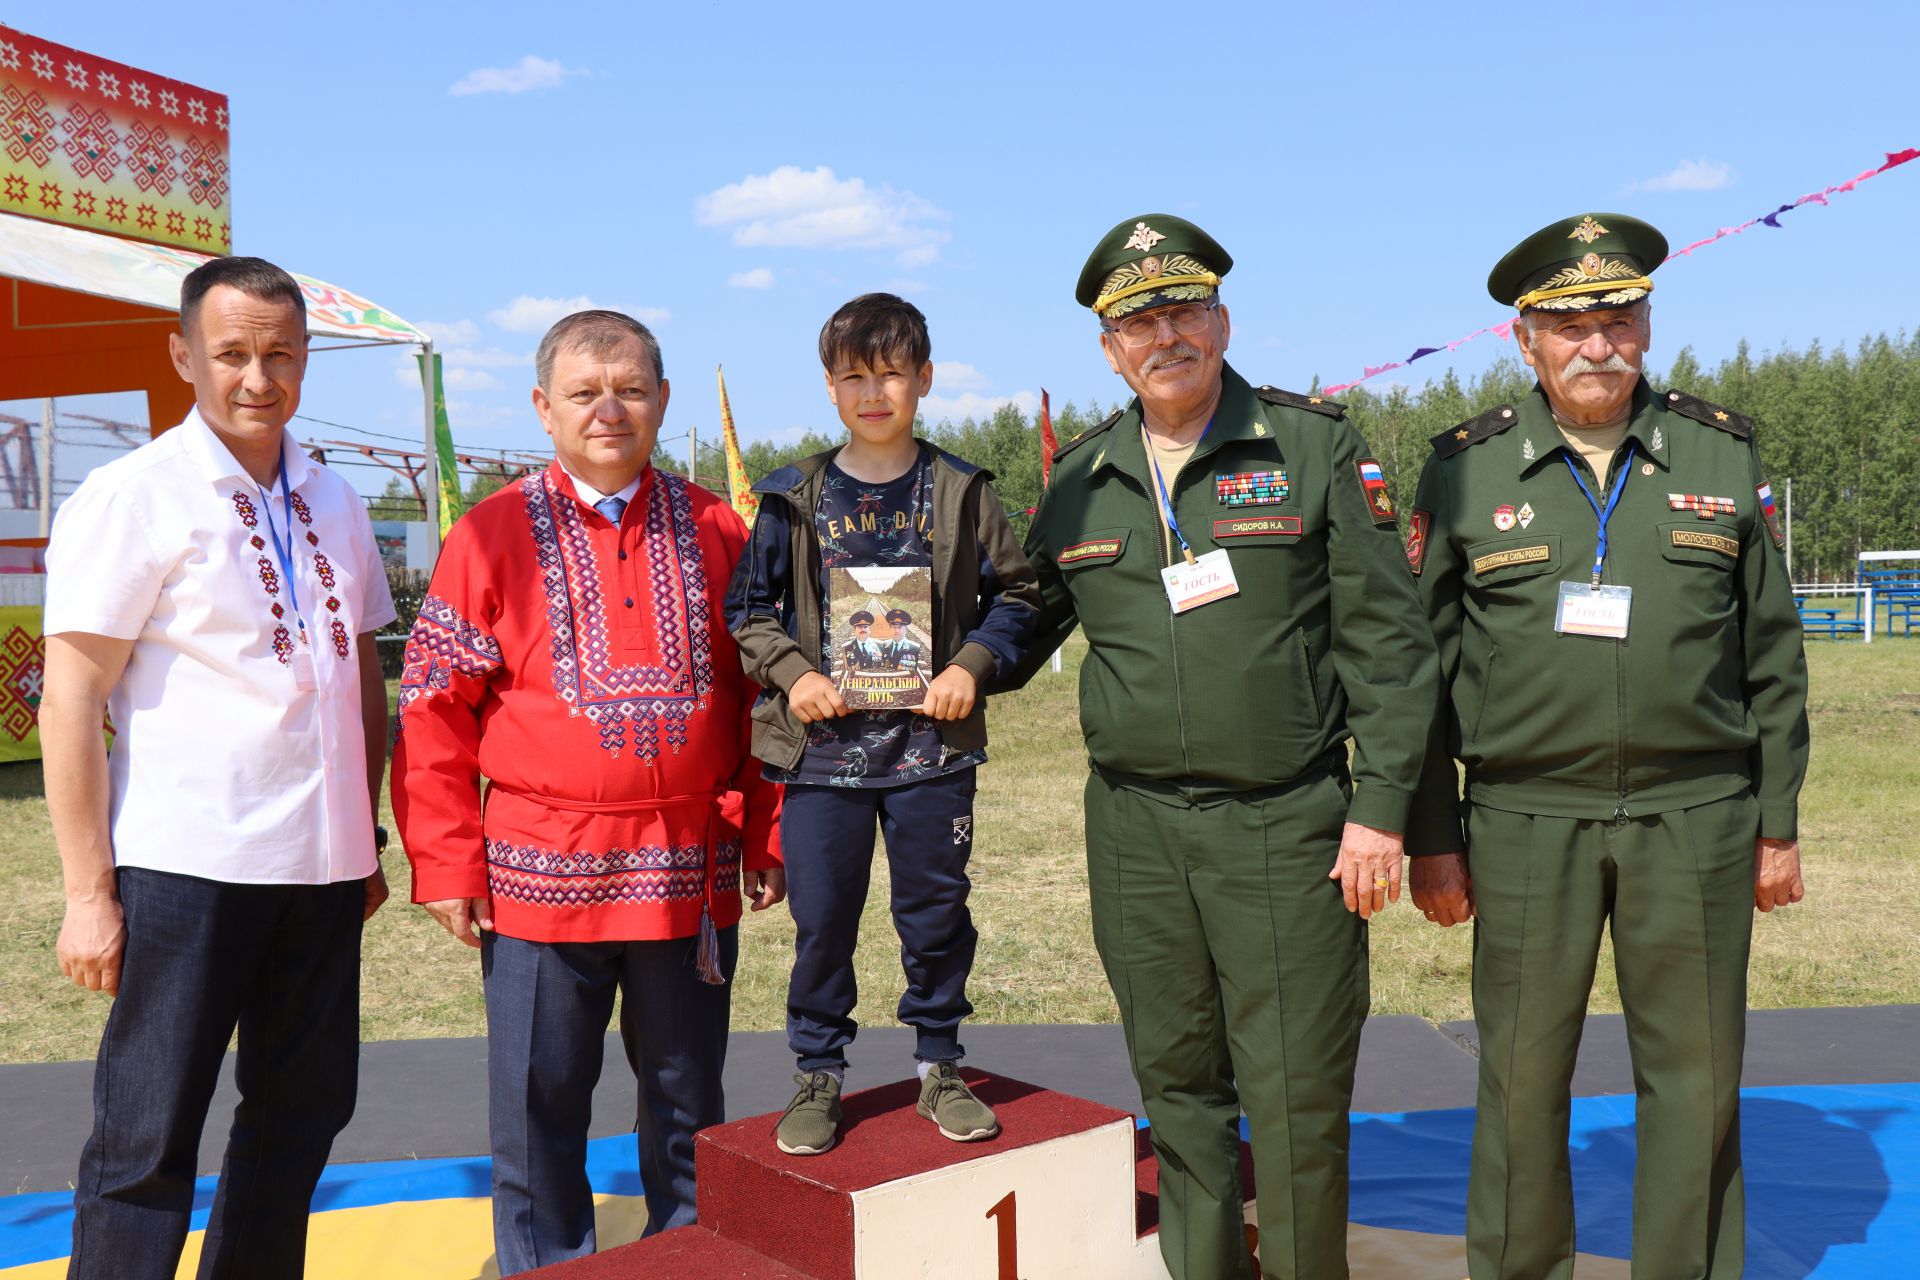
<point x="1504" y="330"/>
<point x="740" y="489"/>
<point x="1047" y="443"/>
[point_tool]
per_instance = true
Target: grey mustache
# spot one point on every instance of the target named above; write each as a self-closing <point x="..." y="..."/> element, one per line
<point x="1613" y="364"/>
<point x="1180" y="351"/>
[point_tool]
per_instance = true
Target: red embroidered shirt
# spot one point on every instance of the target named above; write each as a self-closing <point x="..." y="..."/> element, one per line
<point x="585" y="670"/>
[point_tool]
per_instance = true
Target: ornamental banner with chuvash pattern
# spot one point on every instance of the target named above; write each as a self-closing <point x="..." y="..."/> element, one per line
<point x="23" y="672"/>
<point x="108" y="147"/>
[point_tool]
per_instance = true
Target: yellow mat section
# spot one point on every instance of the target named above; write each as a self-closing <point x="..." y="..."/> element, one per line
<point x="411" y="1240"/>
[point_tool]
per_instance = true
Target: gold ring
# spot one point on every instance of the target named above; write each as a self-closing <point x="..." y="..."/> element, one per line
<point x="1380" y="883"/>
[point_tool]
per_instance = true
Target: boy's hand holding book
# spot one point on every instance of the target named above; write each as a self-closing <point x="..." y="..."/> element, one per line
<point x="950" y="696"/>
<point x="813" y="697"/>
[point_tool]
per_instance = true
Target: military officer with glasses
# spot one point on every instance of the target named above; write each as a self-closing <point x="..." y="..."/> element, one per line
<point x="1233" y="555"/>
<point x="1627" y="691"/>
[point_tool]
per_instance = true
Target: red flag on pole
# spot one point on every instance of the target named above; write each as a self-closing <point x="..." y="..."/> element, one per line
<point x="1047" y="444"/>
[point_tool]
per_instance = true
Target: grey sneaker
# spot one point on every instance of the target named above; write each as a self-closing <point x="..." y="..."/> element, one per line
<point x="946" y="1100"/>
<point x="811" y="1123"/>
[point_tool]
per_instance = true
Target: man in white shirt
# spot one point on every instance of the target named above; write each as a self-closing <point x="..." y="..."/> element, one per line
<point x="216" y="592"/>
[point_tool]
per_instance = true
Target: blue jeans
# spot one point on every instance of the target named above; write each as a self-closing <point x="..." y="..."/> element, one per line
<point x="826" y="840"/>
<point x="281" y="963"/>
<point x="548" y="1004"/>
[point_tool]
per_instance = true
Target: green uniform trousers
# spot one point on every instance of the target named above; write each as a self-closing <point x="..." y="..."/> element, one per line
<point x="1676" y="889"/>
<point x="1242" y="983"/>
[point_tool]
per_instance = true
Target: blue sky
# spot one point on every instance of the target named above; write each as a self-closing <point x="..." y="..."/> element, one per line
<point x="733" y="173"/>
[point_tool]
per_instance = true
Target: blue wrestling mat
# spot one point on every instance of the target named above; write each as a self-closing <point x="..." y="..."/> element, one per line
<point x="1833" y="1177"/>
<point x="1833" y="1185"/>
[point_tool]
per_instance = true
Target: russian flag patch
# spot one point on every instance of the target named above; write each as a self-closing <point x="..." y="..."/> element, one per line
<point x="1374" y="484"/>
<point x="1769" y="513"/>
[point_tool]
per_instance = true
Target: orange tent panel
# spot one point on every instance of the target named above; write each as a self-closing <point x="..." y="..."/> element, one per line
<point x="56" y="342"/>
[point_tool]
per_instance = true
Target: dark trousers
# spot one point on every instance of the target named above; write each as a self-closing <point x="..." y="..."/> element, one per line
<point x="1676" y="891"/>
<point x="1242" y="984"/>
<point x="826" y="839"/>
<point x="548" y="1005"/>
<point x="282" y="964"/>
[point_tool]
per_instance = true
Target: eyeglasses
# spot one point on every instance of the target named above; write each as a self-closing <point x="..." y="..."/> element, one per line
<point x="1139" y="330"/>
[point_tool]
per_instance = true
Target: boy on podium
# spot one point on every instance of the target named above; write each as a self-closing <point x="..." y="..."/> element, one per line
<point x="886" y="526"/>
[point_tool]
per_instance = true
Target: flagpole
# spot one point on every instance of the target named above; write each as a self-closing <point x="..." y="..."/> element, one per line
<point x="47" y="417"/>
<point x="430" y="492"/>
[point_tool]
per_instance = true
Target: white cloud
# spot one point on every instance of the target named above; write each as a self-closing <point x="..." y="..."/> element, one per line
<point x="455" y="376"/>
<point x="489" y="358"/>
<point x="527" y="314"/>
<point x="450" y="333"/>
<point x="469" y="415"/>
<point x="976" y="406"/>
<point x="951" y="375"/>
<point x="531" y="73"/>
<point x="758" y="278"/>
<point x="459" y="379"/>
<point x="799" y="208"/>
<point x="458" y="342"/>
<point x="1689" y="175"/>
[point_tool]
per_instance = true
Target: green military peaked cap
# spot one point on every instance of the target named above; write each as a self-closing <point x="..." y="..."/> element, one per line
<point x="1580" y="264"/>
<point x="1151" y="261"/>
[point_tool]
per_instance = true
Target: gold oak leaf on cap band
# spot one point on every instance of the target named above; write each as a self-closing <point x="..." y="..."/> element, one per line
<point x="1610" y="264"/>
<point x="1151" y="260"/>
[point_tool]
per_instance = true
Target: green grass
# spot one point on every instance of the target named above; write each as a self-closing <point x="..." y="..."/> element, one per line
<point x="1852" y="942"/>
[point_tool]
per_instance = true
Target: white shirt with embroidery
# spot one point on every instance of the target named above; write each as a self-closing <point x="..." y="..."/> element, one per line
<point x="221" y="767"/>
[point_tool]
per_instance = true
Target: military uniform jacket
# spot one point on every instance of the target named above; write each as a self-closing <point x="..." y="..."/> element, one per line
<point x="1323" y="641"/>
<point x="1705" y="697"/>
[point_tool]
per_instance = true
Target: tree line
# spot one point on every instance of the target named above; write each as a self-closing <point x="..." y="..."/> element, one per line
<point x="1844" y="426"/>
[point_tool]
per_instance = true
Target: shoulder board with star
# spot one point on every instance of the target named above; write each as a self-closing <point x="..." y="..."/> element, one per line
<point x="1713" y="415"/>
<point x="1098" y="428"/>
<point x="1294" y="400"/>
<point x="1473" y="431"/>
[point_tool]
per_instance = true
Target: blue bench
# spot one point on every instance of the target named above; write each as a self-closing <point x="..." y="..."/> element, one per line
<point x="1826" y="622"/>
<point x="1895" y="590"/>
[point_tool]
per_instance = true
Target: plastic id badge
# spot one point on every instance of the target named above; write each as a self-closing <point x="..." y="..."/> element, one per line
<point x="1593" y="611"/>
<point x="303" y="676"/>
<point x="1208" y="578"/>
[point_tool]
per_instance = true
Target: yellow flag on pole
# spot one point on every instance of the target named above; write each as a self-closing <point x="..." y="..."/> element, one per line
<point x="740" y="489"/>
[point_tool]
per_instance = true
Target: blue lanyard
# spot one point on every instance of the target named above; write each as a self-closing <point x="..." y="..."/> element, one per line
<point x="283" y="551"/>
<point x="1166" y="502"/>
<point x="1613" y="500"/>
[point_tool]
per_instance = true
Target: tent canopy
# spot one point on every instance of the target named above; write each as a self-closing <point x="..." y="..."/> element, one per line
<point x="84" y="313"/>
<point x="149" y="275"/>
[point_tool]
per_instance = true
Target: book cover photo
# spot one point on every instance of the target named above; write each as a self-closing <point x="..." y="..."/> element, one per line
<point x="881" y="638"/>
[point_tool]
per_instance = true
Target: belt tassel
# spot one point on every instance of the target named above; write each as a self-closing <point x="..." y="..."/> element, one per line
<point x="706" y="961"/>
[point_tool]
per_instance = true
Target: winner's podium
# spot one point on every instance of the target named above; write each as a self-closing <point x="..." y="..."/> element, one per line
<point x="1064" y="1192"/>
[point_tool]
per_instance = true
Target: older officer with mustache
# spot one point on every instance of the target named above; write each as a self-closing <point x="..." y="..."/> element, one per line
<point x="1233" y="556"/>
<point x="1601" y="564"/>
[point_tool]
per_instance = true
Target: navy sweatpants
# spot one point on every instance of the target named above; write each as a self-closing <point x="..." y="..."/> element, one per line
<point x="826" y="839"/>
